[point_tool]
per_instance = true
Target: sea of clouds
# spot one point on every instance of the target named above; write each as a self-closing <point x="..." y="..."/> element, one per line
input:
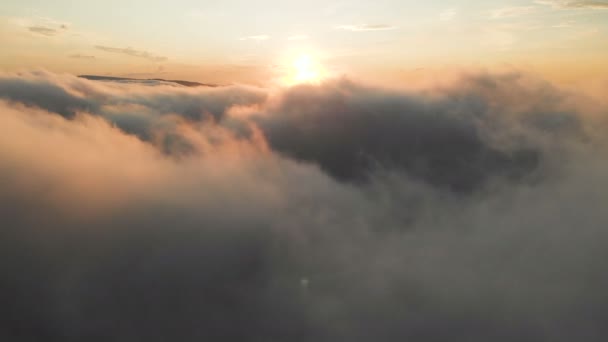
<point x="470" y="211"/>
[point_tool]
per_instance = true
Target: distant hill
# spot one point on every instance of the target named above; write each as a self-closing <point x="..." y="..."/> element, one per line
<point x="147" y="80"/>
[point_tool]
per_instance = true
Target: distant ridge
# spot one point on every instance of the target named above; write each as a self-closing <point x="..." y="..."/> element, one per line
<point x="126" y="79"/>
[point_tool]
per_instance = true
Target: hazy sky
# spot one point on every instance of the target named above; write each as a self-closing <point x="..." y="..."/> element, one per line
<point x="254" y="41"/>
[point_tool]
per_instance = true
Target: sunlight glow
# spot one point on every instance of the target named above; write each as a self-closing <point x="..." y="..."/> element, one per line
<point x="305" y="70"/>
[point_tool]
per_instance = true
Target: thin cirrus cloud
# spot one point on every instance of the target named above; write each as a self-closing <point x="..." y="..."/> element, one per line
<point x="564" y="24"/>
<point x="80" y="56"/>
<point x="447" y="15"/>
<point x="566" y="4"/>
<point x="259" y="37"/>
<point x="298" y="37"/>
<point x="47" y="30"/>
<point x="132" y="52"/>
<point x="42" y="25"/>
<point x="366" y="27"/>
<point x="514" y="11"/>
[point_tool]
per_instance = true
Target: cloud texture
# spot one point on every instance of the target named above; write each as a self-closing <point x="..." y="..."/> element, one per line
<point x="340" y="212"/>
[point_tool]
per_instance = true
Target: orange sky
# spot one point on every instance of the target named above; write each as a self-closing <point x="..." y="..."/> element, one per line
<point x="242" y="42"/>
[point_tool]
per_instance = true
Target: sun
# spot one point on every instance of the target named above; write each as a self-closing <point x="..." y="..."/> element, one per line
<point x="305" y="69"/>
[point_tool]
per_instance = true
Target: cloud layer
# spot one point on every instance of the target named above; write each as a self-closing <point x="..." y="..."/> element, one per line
<point x="339" y="212"/>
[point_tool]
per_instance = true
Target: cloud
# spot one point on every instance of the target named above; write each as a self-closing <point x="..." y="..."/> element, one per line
<point x="514" y="11"/>
<point x="566" y="4"/>
<point x="298" y="37"/>
<point x="45" y="31"/>
<point x="564" y="24"/>
<point x="132" y="52"/>
<point x="366" y="27"/>
<point x="260" y="37"/>
<point x="447" y="15"/>
<point x="79" y="56"/>
<point x="42" y="26"/>
<point x="585" y="33"/>
<point x="438" y="142"/>
<point x="68" y="97"/>
<point x="110" y="231"/>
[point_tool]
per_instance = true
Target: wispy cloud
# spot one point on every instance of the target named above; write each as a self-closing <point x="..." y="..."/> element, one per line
<point x="79" y="56"/>
<point x="44" y="26"/>
<point x="298" y="37"/>
<point x="568" y="4"/>
<point x="366" y="27"/>
<point x="499" y="38"/>
<point x="585" y="33"/>
<point x="447" y="15"/>
<point x="514" y="11"/>
<point x="565" y="24"/>
<point x="45" y="31"/>
<point x="259" y="37"/>
<point x="132" y="52"/>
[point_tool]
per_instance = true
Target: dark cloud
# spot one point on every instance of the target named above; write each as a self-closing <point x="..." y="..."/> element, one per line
<point x="254" y="236"/>
<point x="133" y="53"/>
<point x="350" y="130"/>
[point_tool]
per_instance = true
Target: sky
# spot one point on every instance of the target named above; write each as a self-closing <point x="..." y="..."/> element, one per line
<point x="257" y="42"/>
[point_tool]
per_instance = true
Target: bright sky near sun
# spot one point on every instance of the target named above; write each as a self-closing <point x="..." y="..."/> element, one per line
<point x="300" y="41"/>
